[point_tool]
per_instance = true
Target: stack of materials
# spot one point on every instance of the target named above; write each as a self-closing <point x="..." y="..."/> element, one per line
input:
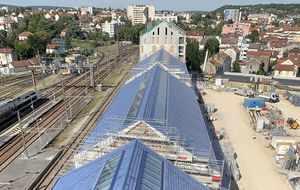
<point x="293" y="98"/>
<point x="254" y="102"/>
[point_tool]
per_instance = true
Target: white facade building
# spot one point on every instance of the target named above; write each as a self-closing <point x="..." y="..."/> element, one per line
<point x="163" y="35"/>
<point x="111" y="27"/>
<point x="6" y="56"/>
<point x="243" y="46"/>
<point x="166" y="17"/>
<point x="140" y="14"/>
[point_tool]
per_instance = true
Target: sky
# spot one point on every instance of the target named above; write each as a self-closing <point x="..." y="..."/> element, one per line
<point x="176" y="5"/>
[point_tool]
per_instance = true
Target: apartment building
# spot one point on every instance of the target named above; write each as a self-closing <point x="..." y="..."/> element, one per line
<point x="232" y="14"/>
<point x="140" y="14"/>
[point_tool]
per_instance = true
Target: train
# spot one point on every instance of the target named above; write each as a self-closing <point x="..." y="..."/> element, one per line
<point x="8" y="110"/>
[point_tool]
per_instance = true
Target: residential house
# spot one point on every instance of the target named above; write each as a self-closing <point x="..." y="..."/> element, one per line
<point x="278" y="45"/>
<point x="7" y="55"/>
<point x="243" y="45"/>
<point x="287" y="67"/>
<point x="111" y="27"/>
<point x="194" y="35"/>
<point x="23" y="65"/>
<point x="24" y="36"/>
<point x="251" y="66"/>
<point x="228" y="42"/>
<point x="255" y="47"/>
<point x="55" y="49"/>
<point x="262" y="56"/>
<point x="218" y="64"/>
<point x="232" y="52"/>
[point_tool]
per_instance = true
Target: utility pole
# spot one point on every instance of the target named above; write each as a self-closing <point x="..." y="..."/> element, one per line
<point x="92" y="76"/>
<point x="63" y="91"/>
<point x="42" y="68"/>
<point x="33" y="80"/>
<point x="23" y="136"/>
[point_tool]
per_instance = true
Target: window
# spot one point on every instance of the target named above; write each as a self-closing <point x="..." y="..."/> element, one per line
<point x="138" y="98"/>
<point x="166" y="31"/>
<point x="171" y="40"/>
<point x="171" y="33"/>
<point x="166" y="40"/>
<point x="157" y="40"/>
<point x="153" y="49"/>
<point x="108" y="172"/>
<point x="172" y="49"/>
<point x="153" y="33"/>
<point x="153" y="40"/>
<point x="181" y="40"/>
<point x="158" y="31"/>
<point x="142" y="49"/>
<point x="151" y="177"/>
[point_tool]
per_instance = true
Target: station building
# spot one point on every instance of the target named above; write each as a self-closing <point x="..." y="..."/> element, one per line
<point x="158" y="106"/>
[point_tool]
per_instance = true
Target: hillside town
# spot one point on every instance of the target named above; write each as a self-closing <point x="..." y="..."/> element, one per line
<point x="144" y="98"/>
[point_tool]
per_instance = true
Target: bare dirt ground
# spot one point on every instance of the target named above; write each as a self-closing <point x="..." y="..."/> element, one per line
<point x="255" y="160"/>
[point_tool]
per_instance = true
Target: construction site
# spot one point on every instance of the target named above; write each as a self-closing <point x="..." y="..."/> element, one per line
<point x="262" y="126"/>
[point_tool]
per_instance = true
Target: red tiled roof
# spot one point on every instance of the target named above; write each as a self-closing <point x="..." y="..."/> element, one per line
<point x="194" y="33"/>
<point x="4" y="50"/>
<point x="279" y="66"/>
<point x="216" y="63"/>
<point x="260" y="53"/>
<point x="23" y="63"/>
<point x="33" y="61"/>
<point x="25" y="34"/>
<point x="278" y="43"/>
<point x="53" y="46"/>
<point x="291" y="28"/>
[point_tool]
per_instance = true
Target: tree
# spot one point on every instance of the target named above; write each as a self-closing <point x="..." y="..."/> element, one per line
<point x="122" y="19"/>
<point x="192" y="55"/>
<point x="212" y="45"/>
<point x="230" y="21"/>
<point x="75" y="17"/>
<point x="236" y="67"/>
<point x="3" y="38"/>
<point x="23" y="50"/>
<point x="36" y="44"/>
<point x="74" y="32"/>
<point x="253" y="36"/>
<point x="130" y="32"/>
<point x="285" y="53"/>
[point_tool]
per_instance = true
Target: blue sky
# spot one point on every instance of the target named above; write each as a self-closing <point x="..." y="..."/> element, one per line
<point x="177" y="5"/>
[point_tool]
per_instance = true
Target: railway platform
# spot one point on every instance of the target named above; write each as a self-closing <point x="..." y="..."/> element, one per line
<point x="27" y="121"/>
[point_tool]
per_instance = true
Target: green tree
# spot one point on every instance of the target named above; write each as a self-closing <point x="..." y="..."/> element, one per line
<point x="130" y="32"/>
<point x="236" y="67"/>
<point x="75" y="17"/>
<point x="285" y="53"/>
<point x="74" y="32"/>
<point x="253" y="36"/>
<point x="192" y="55"/>
<point x="3" y="38"/>
<point x="11" y="36"/>
<point x="230" y="21"/>
<point x="23" y="50"/>
<point x="36" y="44"/>
<point x="212" y="45"/>
<point x="122" y="19"/>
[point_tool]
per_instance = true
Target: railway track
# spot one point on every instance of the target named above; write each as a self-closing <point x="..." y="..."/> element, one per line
<point x="52" y="174"/>
<point x="11" y="151"/>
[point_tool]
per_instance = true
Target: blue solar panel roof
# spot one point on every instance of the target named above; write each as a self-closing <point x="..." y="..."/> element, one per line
<point x="132" y="166"/>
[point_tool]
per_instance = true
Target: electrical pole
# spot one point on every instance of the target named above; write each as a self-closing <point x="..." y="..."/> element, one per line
<point x="63" y="91"/>
<point x="33" y="80"/>
<point x="23" y="136"/>
<point x="42" y="68"/>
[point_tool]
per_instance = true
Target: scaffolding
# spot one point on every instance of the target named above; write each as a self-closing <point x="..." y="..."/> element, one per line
<point x="157" y="135"/>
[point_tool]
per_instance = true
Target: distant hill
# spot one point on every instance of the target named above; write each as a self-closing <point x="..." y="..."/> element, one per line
<point x="280" y="10"/>
<point x="32" y="7"/>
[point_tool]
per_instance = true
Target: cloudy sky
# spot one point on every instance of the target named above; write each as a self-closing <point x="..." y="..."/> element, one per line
<point x="205" y="5"/>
